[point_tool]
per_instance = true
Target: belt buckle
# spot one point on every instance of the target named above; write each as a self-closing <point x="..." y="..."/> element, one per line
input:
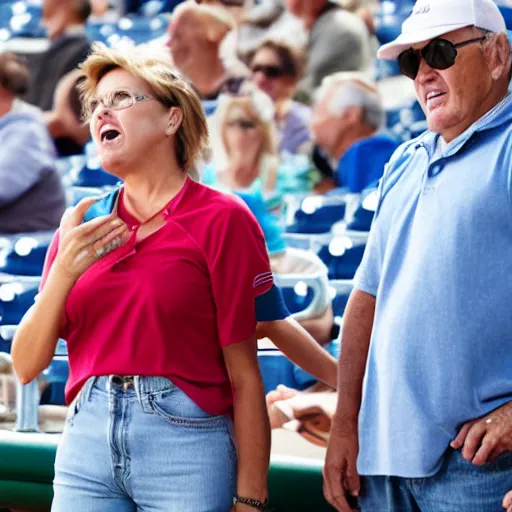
<point x="128" y="382"/>
<point x="124" y="381"/>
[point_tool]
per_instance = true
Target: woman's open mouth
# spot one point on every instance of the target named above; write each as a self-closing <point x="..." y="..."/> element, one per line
<point x="109" y="135"/>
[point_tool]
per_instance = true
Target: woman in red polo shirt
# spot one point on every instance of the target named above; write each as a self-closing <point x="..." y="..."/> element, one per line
<point x="156" y="302"/>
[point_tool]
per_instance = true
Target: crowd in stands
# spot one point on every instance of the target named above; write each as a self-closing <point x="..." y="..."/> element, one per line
<point x="293" y="106"/>
<point x="299" y="113"/>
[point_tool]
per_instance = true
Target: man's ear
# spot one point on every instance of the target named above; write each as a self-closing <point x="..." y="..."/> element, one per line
<point x="174" y="121"/>
<point x="354" y="114"/>
<point x="498" y="56"/>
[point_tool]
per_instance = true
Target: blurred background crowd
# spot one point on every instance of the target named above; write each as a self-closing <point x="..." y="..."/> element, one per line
<point x="302" y="116"/>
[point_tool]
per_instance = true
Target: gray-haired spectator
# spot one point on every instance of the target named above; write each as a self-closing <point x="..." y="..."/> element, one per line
<point x="339" y="40"/>
<point x="31" y="193"/>
<point x="347" y="123"/>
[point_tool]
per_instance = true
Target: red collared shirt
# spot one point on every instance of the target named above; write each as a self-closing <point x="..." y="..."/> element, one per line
<point x="168" y="304"/>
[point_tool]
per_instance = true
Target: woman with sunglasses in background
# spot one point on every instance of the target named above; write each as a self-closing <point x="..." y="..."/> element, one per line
<point x="156" y="300"/>
<point x="276" y="67"/>
<point x="245" y="151"/>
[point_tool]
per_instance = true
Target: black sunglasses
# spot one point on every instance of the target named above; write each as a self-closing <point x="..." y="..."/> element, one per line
<point x="269" y="71"/>
<point x="438" y="54"/>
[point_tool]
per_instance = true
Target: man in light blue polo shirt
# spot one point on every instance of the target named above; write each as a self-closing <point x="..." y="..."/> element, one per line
<point x="425" y="374"/>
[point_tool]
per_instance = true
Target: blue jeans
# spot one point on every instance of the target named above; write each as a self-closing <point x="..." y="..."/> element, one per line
<point x="458" y="486"/>
<point x="148" y="448"/>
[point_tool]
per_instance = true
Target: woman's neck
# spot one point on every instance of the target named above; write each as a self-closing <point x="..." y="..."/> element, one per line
<point x="150" y="189"/>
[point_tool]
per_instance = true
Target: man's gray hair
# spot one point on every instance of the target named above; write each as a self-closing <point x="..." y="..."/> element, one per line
<point x="353" y="89"/>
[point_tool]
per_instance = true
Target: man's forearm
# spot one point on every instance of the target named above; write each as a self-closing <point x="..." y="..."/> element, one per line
<point x="252" y="433"/>
<point x="356" y="334"/>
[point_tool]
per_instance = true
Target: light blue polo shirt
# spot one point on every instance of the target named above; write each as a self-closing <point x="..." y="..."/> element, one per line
<point x="439" y="261"/>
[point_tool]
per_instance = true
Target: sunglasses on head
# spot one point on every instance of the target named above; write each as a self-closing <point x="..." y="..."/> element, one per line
<point x="269" y="71"/>
<point x="438" y="54"/>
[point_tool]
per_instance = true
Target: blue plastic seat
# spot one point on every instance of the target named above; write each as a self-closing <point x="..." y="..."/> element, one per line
<point x="399" y="120"/>
<point x="82" y="172"/>
<point x="24" y="254"/>
<point x="363" y="216"/>
<point x="317" y="214"/>
<point x="295" y="300"/>
<point x="16" y="297"/>
<point x="507" y="15"/>
<point x="342" y="258"/>
<point x="57" y="375"/>
<point x="75" y="194"/>
<point x="342" y="290"/>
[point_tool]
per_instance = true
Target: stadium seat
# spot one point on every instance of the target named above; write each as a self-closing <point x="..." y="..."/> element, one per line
<point x="24" y="254"/>
<point x="317" y="214"/>
<point x="16" y="297"/>
<point x="75" y="194"/>
<point x="342" y="257"/>
<point x="362" y="218"/>
<point x="341" y="289"/>
<point x="507" y="14"/>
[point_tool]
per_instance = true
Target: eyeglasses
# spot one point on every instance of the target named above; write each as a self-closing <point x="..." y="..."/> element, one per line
<point x="269" y="71"/>
<point x="117" y="100"/>
<point x="243" y="124"/>
<point x="438" y="54"/>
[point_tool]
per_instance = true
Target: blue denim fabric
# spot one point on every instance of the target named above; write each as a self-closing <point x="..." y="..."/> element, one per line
<point x="145" y="449"/>
<point x="458" y="486"/>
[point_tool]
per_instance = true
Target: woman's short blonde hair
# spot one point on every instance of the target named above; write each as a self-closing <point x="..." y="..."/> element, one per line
<point x="167" y="86"/>
<point x="259" y="108"/>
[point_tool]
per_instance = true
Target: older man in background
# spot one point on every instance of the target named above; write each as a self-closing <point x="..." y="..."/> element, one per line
<point x="31" y="193"/>
<point x="347" y="122"/>
<point x="425" y="380"/>
<point x="202" y="49"/>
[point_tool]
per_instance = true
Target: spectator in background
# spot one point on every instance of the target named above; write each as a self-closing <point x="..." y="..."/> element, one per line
<point x="244" y="144"/>
<point x="65" y="23"/>
<point x="196" y="36"/>
<point x="245" y="154"/>
<point x="339" y="40"/>
<point x="276" y="66"/>
<point x="268" y="19"/>
<point x="31" y="193"/>
<point x="346" y="123"/>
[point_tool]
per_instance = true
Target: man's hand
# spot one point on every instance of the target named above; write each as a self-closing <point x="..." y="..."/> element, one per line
<point x="340" y="470"/>
<point x="507" y="502"/>
<point x="486" y="438"/>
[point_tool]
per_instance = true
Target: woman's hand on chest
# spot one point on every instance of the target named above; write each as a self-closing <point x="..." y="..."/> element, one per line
<point x="82" y="244"/>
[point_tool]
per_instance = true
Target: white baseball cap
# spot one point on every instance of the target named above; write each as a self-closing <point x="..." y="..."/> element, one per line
<point x="433" y="18"/>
